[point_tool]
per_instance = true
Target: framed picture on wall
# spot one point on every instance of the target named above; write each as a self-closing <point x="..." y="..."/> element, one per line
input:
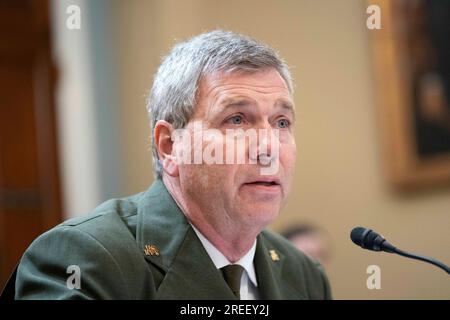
<point x="411" y="54"/>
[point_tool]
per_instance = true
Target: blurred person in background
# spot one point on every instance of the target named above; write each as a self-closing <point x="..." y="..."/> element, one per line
<point x="311" y="240"/>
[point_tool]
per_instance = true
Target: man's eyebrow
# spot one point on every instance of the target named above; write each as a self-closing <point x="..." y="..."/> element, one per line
<point x="286" y="104"/>
<point x="237" y="102"/>
<point x="233" y="102"/>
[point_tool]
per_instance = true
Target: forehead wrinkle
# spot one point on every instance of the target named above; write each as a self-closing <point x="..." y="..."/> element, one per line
<point x="258" y="88"/>
<point x="222" y="97"/>
<point x="210" y="82"/>
<point x="213" y="89"/>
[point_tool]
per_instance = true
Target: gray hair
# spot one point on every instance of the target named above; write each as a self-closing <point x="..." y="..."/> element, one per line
<point x="172" y="97"/>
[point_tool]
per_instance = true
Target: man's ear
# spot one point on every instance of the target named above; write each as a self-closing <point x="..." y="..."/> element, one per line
<point x="164" y="145"/>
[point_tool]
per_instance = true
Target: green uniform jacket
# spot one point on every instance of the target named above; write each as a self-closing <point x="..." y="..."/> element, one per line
<point x="109" y="247"/>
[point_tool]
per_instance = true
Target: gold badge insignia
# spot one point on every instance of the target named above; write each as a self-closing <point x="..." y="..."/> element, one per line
<point x="151" y="250"/>
<point x="274" y="255"/>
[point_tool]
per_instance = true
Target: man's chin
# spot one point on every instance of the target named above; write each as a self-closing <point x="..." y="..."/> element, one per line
<point x="261" y="215"/>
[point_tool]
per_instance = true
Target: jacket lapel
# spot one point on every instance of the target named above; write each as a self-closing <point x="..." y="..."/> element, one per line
<point x="189" y="271"/>
<point x="193" y="275"/>
<point x="269" y="262"/>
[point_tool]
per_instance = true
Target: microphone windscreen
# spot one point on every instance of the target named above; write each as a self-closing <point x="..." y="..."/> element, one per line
<point x="357" y="235"/>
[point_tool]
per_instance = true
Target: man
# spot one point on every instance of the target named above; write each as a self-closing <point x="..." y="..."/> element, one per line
<point x="198" y="232"/>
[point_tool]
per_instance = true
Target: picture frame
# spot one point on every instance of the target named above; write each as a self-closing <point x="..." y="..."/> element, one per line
<point x="412" y="79"/>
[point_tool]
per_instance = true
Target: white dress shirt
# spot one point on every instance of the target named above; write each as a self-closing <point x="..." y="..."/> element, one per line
<point x="249" y="283"/>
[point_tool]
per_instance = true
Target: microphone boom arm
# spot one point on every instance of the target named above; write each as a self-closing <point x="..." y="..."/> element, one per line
<point x="423" y="258"/>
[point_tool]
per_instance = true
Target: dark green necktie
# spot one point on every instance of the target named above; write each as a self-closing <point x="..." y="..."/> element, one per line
<point x="232" y="274"/>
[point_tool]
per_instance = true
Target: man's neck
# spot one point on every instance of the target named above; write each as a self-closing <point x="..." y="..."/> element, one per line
<point x="232" y="242"/>
<point x="230" y="238"/>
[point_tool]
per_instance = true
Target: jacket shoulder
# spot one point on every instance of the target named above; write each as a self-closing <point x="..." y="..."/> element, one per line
<point x="114" y="211"/>
<point x="101" y="244"/>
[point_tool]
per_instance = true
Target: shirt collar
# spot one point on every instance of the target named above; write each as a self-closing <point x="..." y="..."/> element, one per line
<point x="221" y="261"/>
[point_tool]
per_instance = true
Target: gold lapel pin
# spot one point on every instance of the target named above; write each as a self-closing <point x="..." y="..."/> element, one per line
<point x="274" y="255"/>
<point x="151" y="250"/>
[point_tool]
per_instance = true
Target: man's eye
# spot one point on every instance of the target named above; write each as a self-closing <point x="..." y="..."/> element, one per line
<point x="283" y="123"/>
<point x="235" y="120"/>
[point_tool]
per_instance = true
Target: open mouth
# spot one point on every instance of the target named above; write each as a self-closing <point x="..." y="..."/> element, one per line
<point x="264" y="183"/>
<point x="268" y="188"/>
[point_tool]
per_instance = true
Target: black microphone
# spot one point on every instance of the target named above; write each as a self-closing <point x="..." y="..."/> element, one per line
<point x="370" y="240"/>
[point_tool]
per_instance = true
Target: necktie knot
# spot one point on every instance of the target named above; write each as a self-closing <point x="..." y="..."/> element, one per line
<point x="232" y="274"/>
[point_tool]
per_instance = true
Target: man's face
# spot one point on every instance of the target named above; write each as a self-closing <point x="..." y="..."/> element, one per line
<point x="241" y="193"/>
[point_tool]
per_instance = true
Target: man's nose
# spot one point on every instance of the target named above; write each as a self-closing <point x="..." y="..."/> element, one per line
<point x="267" y="145"/>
